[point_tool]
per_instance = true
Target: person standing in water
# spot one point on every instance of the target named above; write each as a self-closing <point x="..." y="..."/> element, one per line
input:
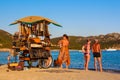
<point x="86" y="51"/>
<point x="97" y="54"/>
<point x="64" y="56"/>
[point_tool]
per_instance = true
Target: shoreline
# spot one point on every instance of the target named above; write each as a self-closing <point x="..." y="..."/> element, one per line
<point x="4" y="49"/>
<point x="8" y="49"/>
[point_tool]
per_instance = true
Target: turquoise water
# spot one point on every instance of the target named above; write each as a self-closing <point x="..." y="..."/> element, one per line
<point x="110" y="59"/>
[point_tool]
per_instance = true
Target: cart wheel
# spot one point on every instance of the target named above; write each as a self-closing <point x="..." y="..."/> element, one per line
<point x="47" y="62"/>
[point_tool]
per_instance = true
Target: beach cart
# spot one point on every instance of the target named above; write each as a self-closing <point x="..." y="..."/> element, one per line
<point x="32" y="41"/>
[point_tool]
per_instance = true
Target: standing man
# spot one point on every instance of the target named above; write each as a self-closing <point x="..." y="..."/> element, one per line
<point x="97" y="54"/>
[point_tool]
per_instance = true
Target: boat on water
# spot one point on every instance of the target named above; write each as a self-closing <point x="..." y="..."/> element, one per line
<point x="80" y="50"/>
<point x="111" y="49"/>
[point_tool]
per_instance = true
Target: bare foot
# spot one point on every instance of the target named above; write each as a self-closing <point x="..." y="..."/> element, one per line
<point x="96" y="70"/>
<point x="86" y="69"/>
<point x="61" y="67"/>
<point x="66" y="67"/>
<point x="100" y="70"/>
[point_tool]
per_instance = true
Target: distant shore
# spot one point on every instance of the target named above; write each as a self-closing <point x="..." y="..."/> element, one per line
<point x="8" y="49"/>
<point x="4" y="50"/>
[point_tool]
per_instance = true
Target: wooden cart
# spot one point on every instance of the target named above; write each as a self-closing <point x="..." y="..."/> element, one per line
<point x="32" y="42"/>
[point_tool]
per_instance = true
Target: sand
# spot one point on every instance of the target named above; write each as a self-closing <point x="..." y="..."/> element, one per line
<point x="56" y="74"/>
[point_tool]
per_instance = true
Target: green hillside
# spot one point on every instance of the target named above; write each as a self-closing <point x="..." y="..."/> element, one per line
<point x="5" y="39"/>
<point x="111" y="40"/>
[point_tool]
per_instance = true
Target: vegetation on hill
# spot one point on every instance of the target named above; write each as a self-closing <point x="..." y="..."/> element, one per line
<point x="5" y="39"/>
<point x="111" y="40"/>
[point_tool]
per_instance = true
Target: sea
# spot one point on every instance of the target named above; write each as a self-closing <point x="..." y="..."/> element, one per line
<point x="110" y="59"/>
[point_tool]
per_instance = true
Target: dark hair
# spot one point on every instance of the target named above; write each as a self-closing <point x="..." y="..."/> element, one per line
<point x="48" y="37"/>
<point x="88" y="40"/>
<point x="65" y="35"/>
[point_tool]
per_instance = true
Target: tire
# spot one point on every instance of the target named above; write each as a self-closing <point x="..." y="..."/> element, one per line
<point x="45" y="63"/>
<point x="48" y="62"/>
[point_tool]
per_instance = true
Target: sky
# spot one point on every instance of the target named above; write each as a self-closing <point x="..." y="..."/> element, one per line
<point x="78" y="17"/>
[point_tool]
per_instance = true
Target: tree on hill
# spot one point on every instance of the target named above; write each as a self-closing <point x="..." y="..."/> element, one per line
<point x="111" y="40"/>
<point x="5" y="39"/>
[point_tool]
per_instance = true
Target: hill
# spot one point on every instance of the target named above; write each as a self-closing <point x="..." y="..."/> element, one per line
<point x="5" y="39"/>
<point x="111" y="40"/>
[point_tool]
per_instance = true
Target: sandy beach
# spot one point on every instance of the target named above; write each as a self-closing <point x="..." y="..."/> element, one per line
<point x="56" y="74"/>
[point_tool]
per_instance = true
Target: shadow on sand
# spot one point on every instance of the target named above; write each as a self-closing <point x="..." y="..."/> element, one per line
<point x="56" y="70"/>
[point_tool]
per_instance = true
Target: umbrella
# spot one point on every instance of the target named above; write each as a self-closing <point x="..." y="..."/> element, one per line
<point x="34" y="19"/>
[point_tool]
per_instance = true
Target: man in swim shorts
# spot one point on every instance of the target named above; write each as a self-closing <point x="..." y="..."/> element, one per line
<point x="97" y="54"/>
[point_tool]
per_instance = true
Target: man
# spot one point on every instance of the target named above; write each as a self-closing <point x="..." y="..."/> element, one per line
<point x="97" y="54"/>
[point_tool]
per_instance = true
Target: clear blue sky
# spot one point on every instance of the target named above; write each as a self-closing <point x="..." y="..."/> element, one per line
<point x="78" y="17"/>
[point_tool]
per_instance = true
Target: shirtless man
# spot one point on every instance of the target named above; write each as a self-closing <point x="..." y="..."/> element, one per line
<point x="64" y="56"/>
<point x="97" y="54"/>
<point x="86" y="51"/>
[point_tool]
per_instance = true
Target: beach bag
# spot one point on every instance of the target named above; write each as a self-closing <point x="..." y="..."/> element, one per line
<point x="20" y="66"/>
<point x="12" y="66"/>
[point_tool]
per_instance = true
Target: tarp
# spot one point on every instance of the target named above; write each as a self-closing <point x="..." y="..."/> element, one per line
<point x="34" y="19"/>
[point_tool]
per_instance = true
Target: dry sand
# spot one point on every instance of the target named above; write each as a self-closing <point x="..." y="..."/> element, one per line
<point x="56" y="74"/>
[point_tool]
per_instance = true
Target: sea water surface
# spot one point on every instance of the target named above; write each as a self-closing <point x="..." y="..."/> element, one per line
<point x="110" y="59"/>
